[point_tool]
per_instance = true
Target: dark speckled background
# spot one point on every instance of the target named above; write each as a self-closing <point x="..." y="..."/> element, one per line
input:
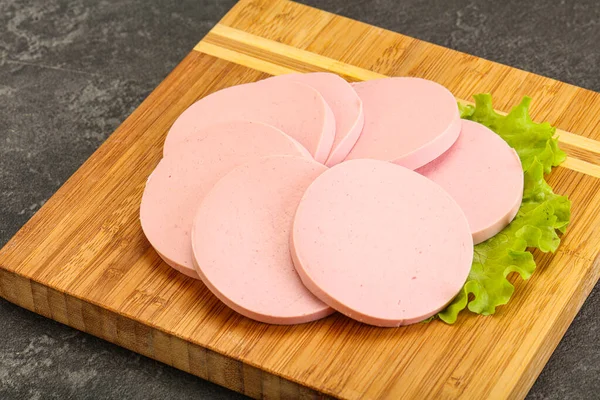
<point x="72" y="71"/>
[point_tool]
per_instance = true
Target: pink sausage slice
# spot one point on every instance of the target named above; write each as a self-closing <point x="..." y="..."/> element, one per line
<point x="241" y="236"/>
<point x="408" y="121"/>
<point x="346" y="107"/>
<point x="485" y="177"/>
<point x="381" y="243"/>
<point x="182" y="179"/>
<point x="295" y="108"/>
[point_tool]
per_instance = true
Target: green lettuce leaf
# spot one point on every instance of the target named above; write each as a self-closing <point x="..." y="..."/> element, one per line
<point x="540" y="216"/>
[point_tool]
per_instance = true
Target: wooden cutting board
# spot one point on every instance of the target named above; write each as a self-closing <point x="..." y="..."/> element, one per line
<point x="82" y="259"/>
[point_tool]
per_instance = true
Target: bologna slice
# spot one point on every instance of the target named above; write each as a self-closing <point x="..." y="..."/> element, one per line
<point x="346" y="107"/>
<point x="381" y="243"/>
<point x="240" y="238"/>
<point x="485" y="177"/>
<point x="408" y="121"/>
<point x="182" y="179"/>
<point x="295" y="108"/>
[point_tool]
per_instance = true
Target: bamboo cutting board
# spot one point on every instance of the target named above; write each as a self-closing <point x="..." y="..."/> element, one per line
<point x="83" y="260"/>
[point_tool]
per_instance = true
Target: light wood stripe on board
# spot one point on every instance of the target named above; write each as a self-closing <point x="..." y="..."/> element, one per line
<point x="248" y="40"/>
<point x="584" y="167"/>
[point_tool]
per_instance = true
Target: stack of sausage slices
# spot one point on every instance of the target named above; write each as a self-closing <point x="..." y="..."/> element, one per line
<point x="302" y="194"/>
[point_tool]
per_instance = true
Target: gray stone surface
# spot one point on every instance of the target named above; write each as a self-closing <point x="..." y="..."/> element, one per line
<point x="71" y="72"/>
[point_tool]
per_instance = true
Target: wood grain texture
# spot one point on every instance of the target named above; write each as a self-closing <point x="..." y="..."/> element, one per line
<point x="83" y="260"/>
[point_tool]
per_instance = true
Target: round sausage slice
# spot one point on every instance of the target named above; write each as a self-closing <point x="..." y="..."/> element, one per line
<point x="381" y="243"/>
<point x="346" y="107"/>
<point x="241" y="242"/>
<point x="408" y="121"/>
<point x="182" y="179"/>
<point x="485" y="177"/>
<point x="295" y="108"/>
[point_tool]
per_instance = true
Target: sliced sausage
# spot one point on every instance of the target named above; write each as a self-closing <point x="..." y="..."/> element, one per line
<point x="408" y="121"/>
<point x="240" y="238"/>
<point x="182" y="179"/>
<point x="381" y="243"/>
<point x="295" y="108"/>
<point x="346" y="107"/>
<point x="485" y="177"/>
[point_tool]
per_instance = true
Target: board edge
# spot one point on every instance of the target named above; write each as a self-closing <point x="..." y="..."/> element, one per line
<point x="147" y="341"/>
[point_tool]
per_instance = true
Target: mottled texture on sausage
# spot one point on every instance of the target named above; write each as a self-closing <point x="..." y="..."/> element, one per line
<point x="408" y="121"/>
<point x="240" y="239"/>
<point x="181" y="180"/>
<point x="381" y="243"/>
<point x="485" y="177"/>
<point x="295" y="108"/>
<point x="345" y="104"/>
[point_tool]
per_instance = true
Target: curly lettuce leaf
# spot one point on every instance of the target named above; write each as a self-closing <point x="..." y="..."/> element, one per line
<point x="541" y="215"/>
